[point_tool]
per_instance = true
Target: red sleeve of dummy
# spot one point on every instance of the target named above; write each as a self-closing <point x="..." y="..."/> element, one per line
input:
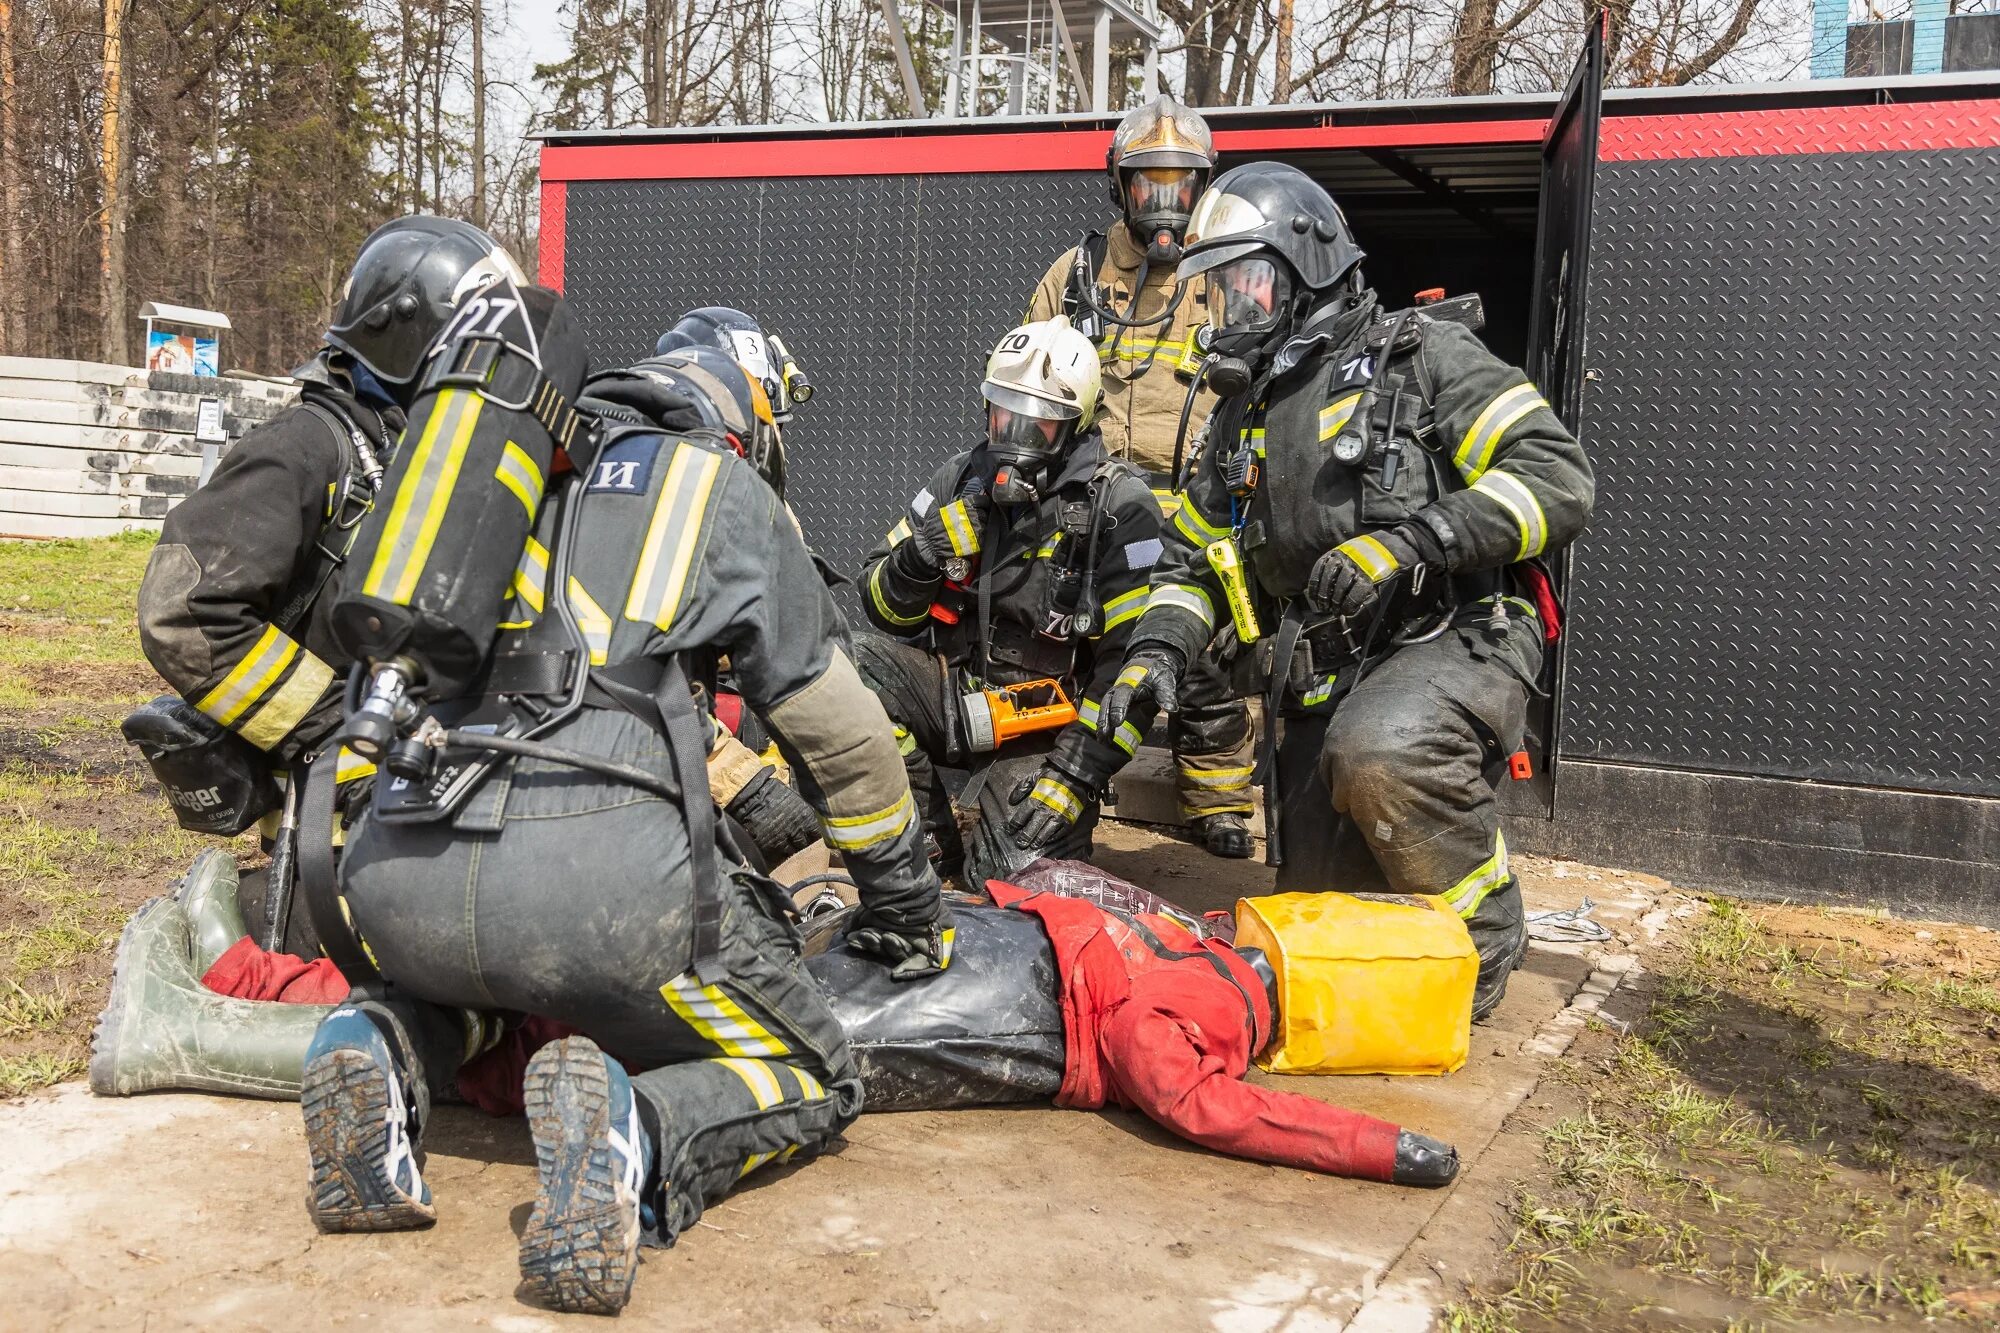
<point x="1160" y="1062"/>
<point x="247" y="972"/>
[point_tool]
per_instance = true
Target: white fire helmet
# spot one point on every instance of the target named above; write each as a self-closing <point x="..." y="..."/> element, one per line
<point x="1046" y="370"/>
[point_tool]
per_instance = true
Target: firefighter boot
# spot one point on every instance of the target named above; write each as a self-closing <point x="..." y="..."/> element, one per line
<point x="1500" y="933"/>
<point x="580" y="1249"/>
<point x="1224" y="835"/>
<point x="208" y="896"/>
<point x="364" y="1110"/>
<point x="163" y="1029"/>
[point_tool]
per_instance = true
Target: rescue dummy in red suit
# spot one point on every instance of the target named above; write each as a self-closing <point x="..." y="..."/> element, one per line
<point x="1081" y="989"/>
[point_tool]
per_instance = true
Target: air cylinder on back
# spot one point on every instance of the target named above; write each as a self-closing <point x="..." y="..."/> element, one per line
<point x="430" y="570"/>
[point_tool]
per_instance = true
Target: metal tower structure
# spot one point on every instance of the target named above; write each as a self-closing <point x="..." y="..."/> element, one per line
<point x="1029" y="48"/>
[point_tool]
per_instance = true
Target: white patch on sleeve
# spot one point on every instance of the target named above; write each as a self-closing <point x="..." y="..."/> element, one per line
<point x="921" y="506"/>
<point x="1143" y="555"/>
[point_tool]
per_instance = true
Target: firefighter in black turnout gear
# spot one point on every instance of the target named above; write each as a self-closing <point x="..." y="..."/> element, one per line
<point x="1023" y="560"/>
<point x="1119" y="287"/>
<point x="1367" y="521"/>
<point x="557" y="851"/>
<point x="233" y="610"/>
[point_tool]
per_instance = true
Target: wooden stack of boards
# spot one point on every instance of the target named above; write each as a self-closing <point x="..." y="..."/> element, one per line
<point x="87" y="449"/>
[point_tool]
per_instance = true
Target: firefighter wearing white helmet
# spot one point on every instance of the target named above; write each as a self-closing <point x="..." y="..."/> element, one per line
<point x="1120" y="287"/>
<point x="1024" y="559"/>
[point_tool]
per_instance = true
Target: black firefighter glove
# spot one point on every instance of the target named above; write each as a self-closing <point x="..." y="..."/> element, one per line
<point x="950" y="533"/>
<point x="1153" y="671"/>
<point x="910" y="949"/>
<point x="777" y="818"/>
<point x="1347" y="581"/>
<point x="1046" y="807"/>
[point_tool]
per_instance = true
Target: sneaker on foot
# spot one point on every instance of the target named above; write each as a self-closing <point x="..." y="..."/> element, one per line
<point x="580" y="1250"/>
<point x="360" y="1133"/>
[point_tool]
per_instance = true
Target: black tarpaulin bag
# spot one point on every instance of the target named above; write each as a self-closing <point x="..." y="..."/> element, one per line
<point x="986" y="1030"/>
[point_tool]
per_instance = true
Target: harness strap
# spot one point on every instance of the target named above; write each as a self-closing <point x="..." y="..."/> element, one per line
<point x="687" y="747"/>
<point x="318" y="879"/>
<point x="1289" y="630"/>
<point x="495" y="367"/>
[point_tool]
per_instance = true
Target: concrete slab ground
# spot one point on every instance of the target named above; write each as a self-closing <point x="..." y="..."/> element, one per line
<point x="171" y="1211"/>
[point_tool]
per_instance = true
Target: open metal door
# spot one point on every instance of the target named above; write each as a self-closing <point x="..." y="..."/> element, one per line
<point x="1556" y="335"/>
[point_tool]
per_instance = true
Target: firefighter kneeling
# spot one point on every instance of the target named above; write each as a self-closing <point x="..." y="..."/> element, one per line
<point x="550" y="845"/>
<point x="1376" y="491"/>
<point x="1012" y="584"/>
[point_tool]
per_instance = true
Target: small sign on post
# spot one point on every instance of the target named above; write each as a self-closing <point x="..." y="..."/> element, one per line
<point x="208" y="430"/>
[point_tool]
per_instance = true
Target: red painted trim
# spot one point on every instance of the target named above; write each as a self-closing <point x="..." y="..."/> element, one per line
<point x="1419" y="134"/>
<point x="1849" y="129"/>
<point x="554" y="233"/>
<point x="941" y="154"/>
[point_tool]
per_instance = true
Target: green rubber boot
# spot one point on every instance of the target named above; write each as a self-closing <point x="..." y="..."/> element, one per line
<point x="162" y="1029"/>
<point x="215" y="918"/>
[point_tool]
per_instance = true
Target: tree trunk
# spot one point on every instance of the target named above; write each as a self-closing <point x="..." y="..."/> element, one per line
<point x="1282" y="90"/>
<point x="478" y="113"/>
<point x="653" y="51"/>
<point x="113" y="172"/>
<point x="1473" y="48"/>
<point x="13" y="279"/>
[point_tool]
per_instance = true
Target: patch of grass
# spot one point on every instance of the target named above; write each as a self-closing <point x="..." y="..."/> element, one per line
<point x="1795" y="1133"/>
<point x="23" y="1011"/>
<point x="82" y="579"/>
<point x="25" y="1073"/>
<point x="56" y="944"/>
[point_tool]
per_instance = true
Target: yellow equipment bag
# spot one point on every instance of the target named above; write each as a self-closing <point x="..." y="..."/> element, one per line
<point x="1376" y="985"/>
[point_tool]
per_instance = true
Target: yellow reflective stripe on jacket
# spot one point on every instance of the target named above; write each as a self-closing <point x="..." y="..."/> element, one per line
<point x="249" y="678"/>
<point x="906" y="743"/>
<point x="1057" y="797"/>
<point x="1465" y="896"/>
<point x="759" y="1077"/>
<point x="286" y="706"/>
<point x="720" y="1019"/>
<point x="1371" y="555"/>
<point x="1126" y="738"/>
<point x="1513" y="496"/>
<point x="1185" y="597"/>
<point x="418" y="508"/>
<point x="959" y="529"/>
<point x="889" y="613"/>
<point x="1126" y="606"/>
<point x="277" y="679"/>
<point x="531" y="575"/>
<point x="900" y="533"/>
<point x="592" y="619"/>
<point x="674" y="537"/>
<point x="347" y="766"/>
<point x="853" y="833"/>
<point x="1475" y="451"/>
<point x="1336" y="415"/>
<point x="518" y="473"/>
<point x="1191" y="525"/>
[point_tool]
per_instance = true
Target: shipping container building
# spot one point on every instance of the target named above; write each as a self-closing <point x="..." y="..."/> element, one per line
<point x="1771" y="312"/>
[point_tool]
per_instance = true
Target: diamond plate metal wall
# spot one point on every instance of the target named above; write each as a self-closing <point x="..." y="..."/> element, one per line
<point x="1795" y="401"/>
<point x="890" y="289"/>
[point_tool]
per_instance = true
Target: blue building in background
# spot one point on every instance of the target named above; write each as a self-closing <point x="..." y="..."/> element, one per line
<point x="1934" y="37"/>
